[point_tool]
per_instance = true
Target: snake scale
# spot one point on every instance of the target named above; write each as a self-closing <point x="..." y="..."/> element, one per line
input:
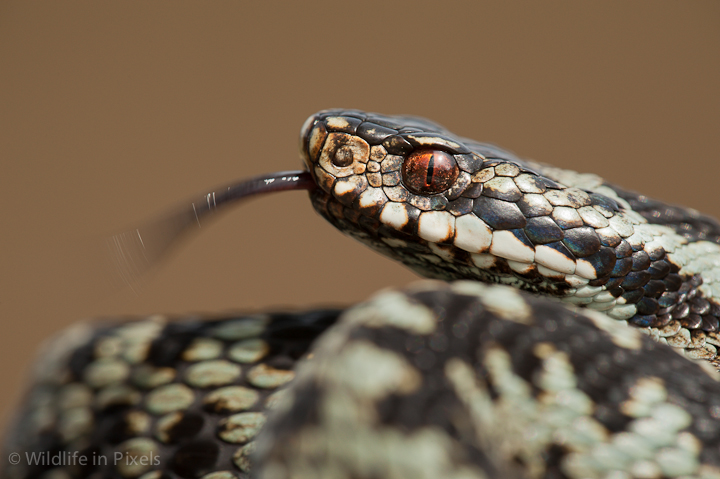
<point x="568" y="329"/>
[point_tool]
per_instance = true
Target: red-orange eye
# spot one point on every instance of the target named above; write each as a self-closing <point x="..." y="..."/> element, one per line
<point x="429" y="171"/>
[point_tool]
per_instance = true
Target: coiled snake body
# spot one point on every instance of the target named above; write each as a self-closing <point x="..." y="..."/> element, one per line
<point x="518" y="363"/>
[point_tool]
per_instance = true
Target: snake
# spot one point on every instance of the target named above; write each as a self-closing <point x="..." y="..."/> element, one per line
<point x="565" y="328"/>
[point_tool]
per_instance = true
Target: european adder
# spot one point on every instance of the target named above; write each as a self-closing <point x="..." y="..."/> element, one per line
<point x="515" y="360"/>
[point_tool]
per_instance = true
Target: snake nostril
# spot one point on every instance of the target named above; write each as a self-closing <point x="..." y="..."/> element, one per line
<point x="343" y="156"/>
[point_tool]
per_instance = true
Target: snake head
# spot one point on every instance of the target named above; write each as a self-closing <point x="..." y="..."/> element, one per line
<point x="452" y="208"/>
<point x="416" y="162"/>
<point x="414" y="191"/>
<point x="406" y="172"/>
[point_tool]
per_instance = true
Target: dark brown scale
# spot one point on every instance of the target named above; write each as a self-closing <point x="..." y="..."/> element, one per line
<point x="710" y="323"/>
<point x="469" y="163"/>
<point x="637" y="246"/>
<point x="460" y="206"/>
<point x="384" y="121"/>
<point x="681" y="311"/>
<point x="686" y="288"/>
<point x="635" y="280"/>
<point x="429" y="171"/>
<point x="622" y="267"/>
<point x="699" y="305"/>
<point x="438" y="202"/>
<point x="616" y="291"/>
<point x="657" y="254"/>
<point x="602" y="200"/>
<point x="520" y="235"/>
<point x="662" y="320"/>
<point x="673" y="282"/>
<point x="498" y="214"/>
<point x="633" y="296"/>
<point x="413" y="217"/>
<point x="608" y="237"/>
<point x="623" y="250"/>
<point x="335" y="209"/>
<point x="473" y="191"/>
<point x="647" y="306"/>
<point x="692" y="321"/>
<point x="659" y="269"/>
<point x="359" y="114"/>
<point x="603" y="261"/>
<point x="654" y="288"/>
<point x="669" y="298"/>
<point x="613" y="283"/>
<point x="601" y="281"/>
<point x="643" y="320"/>
<point x="543" y="230"/>
<point x="582" y="241"/>
<point x="397" y="145"/>
<point x="373" y="133"/>
<point x="352" y="215"/>
<point x="641" y="261"/>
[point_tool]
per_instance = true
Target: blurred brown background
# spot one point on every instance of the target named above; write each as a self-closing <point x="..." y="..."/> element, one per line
<point x="111" y="112"/>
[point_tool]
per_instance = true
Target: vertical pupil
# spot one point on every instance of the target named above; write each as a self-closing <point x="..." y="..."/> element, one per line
<point x="430" y="170"/>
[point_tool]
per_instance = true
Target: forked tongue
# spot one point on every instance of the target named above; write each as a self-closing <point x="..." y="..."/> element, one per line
<point x="135" y="251"/>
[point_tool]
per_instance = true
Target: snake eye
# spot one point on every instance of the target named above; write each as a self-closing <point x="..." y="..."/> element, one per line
<point x="343" y="156"/>
<point x="429" y="171"/>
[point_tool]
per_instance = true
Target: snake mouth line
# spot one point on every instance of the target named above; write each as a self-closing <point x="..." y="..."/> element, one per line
<point x="135" y="251"/>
